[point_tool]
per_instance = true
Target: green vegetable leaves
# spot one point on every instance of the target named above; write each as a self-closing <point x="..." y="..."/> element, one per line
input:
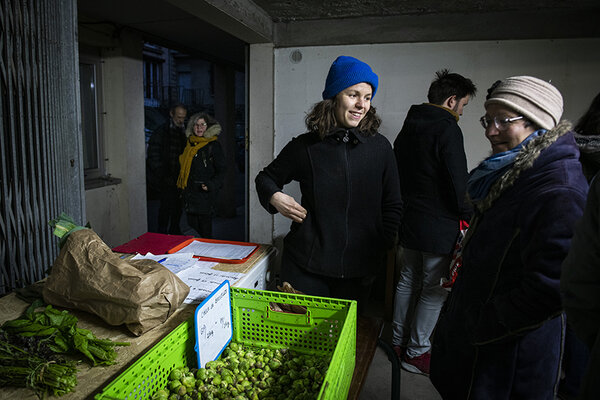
<point x="61" y="327"/>
<point x="63" y="226"/>
<point x="23" y="368"/>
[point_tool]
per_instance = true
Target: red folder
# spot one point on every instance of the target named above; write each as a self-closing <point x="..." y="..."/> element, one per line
<point x="149" y="242"/>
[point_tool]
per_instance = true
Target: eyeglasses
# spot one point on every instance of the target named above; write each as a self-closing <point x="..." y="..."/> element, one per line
<point x="500" y="123"/>
<point x="201" y="124"/>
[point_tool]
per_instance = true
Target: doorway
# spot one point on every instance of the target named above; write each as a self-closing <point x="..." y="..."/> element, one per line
<point x="171" y="77"/>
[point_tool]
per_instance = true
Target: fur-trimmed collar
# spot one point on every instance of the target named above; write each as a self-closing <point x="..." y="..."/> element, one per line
<point x="525" y="159"/>
<point x="213" y="130"/>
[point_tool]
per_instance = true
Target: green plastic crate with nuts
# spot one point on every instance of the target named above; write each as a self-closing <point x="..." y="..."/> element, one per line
<point x="307" y="325"/>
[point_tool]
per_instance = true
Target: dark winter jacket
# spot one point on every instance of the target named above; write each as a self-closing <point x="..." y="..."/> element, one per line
<point x="162" y="164"/>
<point x="351" y="192"/>
<point x="509" y="282"/>
<point x="433" y="177"/>
<point x="580" y="284"/>
<point x="208" y="167"/>
<point x="589" y="147"/>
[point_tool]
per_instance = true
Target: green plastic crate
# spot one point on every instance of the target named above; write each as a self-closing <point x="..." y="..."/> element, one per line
<point x="329" y="327"/>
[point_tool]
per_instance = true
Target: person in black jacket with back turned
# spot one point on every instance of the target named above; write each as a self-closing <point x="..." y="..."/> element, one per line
<point x="350" y="208"/>
<point x="433" y="176"/>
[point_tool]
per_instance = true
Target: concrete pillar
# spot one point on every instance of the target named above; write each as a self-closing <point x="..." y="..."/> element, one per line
<point x="260" y="135"/>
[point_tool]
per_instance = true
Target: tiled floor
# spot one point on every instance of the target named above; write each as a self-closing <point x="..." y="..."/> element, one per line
<point x="378" y="384"/>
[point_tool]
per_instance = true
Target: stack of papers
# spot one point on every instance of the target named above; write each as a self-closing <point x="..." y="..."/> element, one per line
<point x="221" y="251"/>
<point x="198" y="275"/>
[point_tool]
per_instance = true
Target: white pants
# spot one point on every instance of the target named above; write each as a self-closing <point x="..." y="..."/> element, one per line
<point x="419" y="299"/>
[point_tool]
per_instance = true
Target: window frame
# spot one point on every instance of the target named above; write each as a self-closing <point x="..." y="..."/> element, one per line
<point x="92" y="57"/>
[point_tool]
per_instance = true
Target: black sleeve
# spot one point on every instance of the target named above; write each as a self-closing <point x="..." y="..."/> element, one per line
<point x="392" y="199"/>
<point x="220" y="166"/>
<point x="454" y="160"/>
<point x="580" y="274"/>
<point x="278" y="173"/>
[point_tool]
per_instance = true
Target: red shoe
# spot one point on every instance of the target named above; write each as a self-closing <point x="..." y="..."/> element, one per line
<point x="417" y="365"/>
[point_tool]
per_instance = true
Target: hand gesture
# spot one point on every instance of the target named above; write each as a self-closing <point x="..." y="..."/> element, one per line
<point x="288" y="207"/>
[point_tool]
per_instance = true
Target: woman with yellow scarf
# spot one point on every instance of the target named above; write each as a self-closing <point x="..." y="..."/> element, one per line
<point x="202" y="172"/>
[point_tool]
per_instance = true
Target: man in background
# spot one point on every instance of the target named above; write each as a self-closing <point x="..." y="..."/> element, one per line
<point x="433" y="175"/>
<point x="164" y="147"/>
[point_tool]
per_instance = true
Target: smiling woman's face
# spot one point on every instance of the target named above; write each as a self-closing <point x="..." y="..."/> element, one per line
<point x="353" y="103"/>
<point x="200" y="127"/>
<point x="511" y="135"/>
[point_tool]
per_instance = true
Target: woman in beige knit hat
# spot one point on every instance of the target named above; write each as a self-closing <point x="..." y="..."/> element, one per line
<point x="501" y="333"/>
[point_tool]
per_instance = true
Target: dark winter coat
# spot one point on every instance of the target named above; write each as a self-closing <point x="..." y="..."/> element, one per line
<point x="351" y="192"/>
<point x="162" y="164"/>
<point x="208" y="167"/>
<point x="580" y="284"/>
<point x="433" y="177"/>
<point x="506" y="298"/>
<point x="589" y="147"/>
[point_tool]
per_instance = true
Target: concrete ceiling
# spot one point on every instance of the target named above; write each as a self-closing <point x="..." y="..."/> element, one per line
<point x="220" y="29"/>
<point x="166" y="24"/>
<point x="291" y="11"/>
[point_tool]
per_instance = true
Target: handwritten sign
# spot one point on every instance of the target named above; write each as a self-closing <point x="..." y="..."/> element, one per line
<point x="213" y="325"/>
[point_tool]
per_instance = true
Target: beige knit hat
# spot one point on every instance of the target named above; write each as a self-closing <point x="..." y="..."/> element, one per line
<point x="537" y="100"/>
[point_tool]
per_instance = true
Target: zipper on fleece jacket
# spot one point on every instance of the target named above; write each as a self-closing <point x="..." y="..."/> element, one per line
<point x="346" y="139"/>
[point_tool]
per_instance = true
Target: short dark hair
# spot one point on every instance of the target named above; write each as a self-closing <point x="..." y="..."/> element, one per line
<point x="447" y="84"/>
<point x="175" y="106"/>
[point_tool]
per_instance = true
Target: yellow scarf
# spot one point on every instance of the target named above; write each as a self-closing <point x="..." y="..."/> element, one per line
<point x="194" y="144"/>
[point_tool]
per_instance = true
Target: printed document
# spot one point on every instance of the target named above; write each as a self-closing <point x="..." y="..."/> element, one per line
<point x="218" y="250"/>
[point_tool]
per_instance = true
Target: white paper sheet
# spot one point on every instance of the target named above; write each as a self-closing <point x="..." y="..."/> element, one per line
<point x="176" y="262"/>
<point x="218" y="250"/>
<point x="203" y="281"/>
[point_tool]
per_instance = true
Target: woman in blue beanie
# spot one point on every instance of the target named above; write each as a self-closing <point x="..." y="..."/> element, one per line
<point x="350" y="207"/>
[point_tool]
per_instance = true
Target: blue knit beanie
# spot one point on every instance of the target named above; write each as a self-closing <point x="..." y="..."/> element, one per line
<point x="345" y="72"/>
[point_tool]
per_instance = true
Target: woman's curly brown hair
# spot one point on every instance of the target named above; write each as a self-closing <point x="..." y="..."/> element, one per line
<point x="321" y="119"/>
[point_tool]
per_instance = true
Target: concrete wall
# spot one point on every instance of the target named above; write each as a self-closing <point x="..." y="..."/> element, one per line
<point x="118" y="212"/>
<point x="260" y="135"/>
<point x="405" y="71"/>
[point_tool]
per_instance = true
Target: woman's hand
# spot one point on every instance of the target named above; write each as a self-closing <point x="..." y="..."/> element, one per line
<point x="288" y="207"/>
<point x="204" y="187"/>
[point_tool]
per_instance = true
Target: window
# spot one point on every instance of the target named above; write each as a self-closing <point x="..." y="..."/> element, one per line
<point x="152" y="79"/>
<point x="154" y="59"/>
<point x="91" y="122"/>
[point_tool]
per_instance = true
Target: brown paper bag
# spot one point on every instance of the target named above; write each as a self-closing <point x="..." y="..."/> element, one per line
<point x="288" y="308"/>
<point x="88" y="276"/>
